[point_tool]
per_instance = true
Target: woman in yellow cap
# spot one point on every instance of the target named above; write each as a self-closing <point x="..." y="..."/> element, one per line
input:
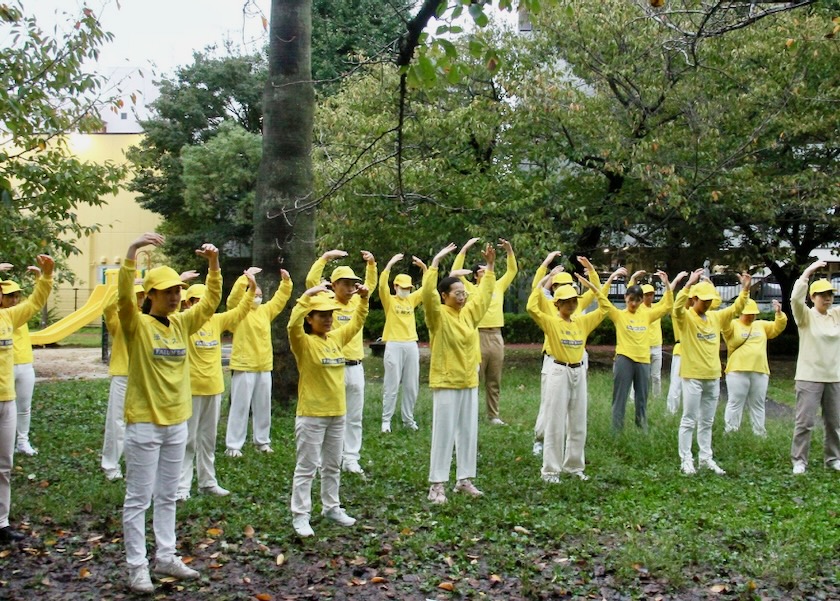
<point x="747" y="369"/>
<point x="402" y="357"/>
<point x="322" y="405"/>
<point x="817" y="368"/>
<point x="700" y="365"/>
<point x="157" y="404"/>
<point x="11" y="319"/>
<point x="566" y="392"/>
<point x="206" y="386"/>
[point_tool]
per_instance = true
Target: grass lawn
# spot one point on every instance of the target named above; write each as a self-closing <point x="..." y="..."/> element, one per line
<point x="637" y="530"/>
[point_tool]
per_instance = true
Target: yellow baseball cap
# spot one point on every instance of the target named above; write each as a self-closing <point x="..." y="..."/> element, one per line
<point x="343" y="273"/>
<point x="324" y="301"/>
<point x="196" y="291"/>
<point x="751" y="308"/>
<point x="138" y="289"/>
<point x="817" y="286"/>
<point x="565" y="292"/>
<point x="9" y="286"/>
<point x="162" y="278"/>
<point x="564" y="277"/>
<point x="403" y="280"/>
<point x="704" y="291"/>
<point x="647" y="289"/>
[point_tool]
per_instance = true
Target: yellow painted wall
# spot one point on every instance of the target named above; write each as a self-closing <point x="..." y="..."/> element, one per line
<point x="121" y="221"/>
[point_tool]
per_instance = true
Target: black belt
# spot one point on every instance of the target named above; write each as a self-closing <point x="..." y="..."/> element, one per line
<point x="568" y="364"/>
<point x="352" y="362"/>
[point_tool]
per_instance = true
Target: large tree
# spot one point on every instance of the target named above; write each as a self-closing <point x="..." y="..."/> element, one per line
<point x="47" y="94"/>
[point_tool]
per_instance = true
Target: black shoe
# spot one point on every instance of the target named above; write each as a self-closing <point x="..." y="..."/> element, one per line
<point x="7" y="535"/>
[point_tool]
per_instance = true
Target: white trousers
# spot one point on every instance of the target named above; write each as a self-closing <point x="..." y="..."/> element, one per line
<point x="700" y="399"/>
<point x="750" y="388"/>
<point x="454" y="424"/>
<point x="539" y="426"/>
<point x="655" y="371"/>
<point x="402" y="366"/>
<point x="354" y="390"/>
<point x="675" y="386"/>
<point x="318" y="442"/>
<point x="112" y="445"/>
<point x="249" y="391"/>
<point x="201" y="442"/>
<point x="24" y="387"/>
<point x="565" y="420"/>
<point x="153" y="457"/>
<point x="8" y="420"/>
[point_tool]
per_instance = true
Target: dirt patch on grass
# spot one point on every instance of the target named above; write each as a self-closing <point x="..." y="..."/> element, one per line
<point x="59" y="363"/>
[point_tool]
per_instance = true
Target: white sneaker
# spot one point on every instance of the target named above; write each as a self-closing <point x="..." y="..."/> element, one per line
<point x="339" y="516"/>
<point x="834" y="465"/>
<point x="551" y="478"/>
<point x="265" y="448"/>
<point x="24" y="447"/>
<point x="301" y="525"/>
<point x="580" y="476"/>
<point x="386" y="427"/>
<point x="139" y="580"/>
<point x="233" y="453"/>
<point x="176" y="568"/>
<point x="711" y="465"/>
<point x="412" y="426"/>
<point x="352" y="467"/>
<point x="799" y="467"/>
<point x="437" y="495"/>
<point x="687" y="467"/>
<point x="466" y="486"/>
<point x="538" y="448"/>
<point x="214" y="490"/>
<point x="497" y="422"/>
<point x="113" y="474"/>
<point x="182" y="495"/>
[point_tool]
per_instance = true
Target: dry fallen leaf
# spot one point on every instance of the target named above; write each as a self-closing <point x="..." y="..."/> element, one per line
<point x="719" y="588"/>
<point x="5" y="553"/>
<point x="84" y="573"/>
<point x="263" y="597"/>
<point x="447" y="586"/>
<point x="214" y="532"/>
<point x="495" y="579"/>
<point x="168" y="579"/>
<point x="249" y="532"/>
<point x="281" y="559"/>
<point x="449" y="561"/>
<point x="377" y="580"/>
<point x="521" y="530"/>
<point x="187" y="560"/>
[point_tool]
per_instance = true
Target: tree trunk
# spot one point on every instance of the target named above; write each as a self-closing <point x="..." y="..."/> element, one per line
<point x="284" y="228"/>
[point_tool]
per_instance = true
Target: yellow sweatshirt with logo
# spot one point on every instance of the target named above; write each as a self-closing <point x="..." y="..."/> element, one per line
<point x="566" y="339"/>
<point x="205" y="349"/>
<point x="11" y="319"/>
<point x="632" y="330"/>
<point x="158" y="389"/>
<point x="320" y="361"/>
<point x="252" y="350"/>
<point x="583" y="302"/>
<point x="454" y="334"/>
<point x="400" y="325"/>
<point x="700" y="336"/>
<point x="746" y="345"/>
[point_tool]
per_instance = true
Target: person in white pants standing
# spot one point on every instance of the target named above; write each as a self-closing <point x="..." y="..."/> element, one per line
<point x="402" y="357"/>
<point x="747" y="369"/>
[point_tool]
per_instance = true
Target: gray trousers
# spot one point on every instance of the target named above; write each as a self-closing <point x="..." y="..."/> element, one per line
<point x="810" y="396"/>
<point x="627" y="372"/>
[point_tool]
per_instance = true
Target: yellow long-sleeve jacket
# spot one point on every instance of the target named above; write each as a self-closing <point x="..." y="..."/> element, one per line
<point x="321" y="361"/>
<point x="158" y="389"/>
<point x="252" y="349"/>
<point x="118" y="365"/>
<point x="700" y="336"/>
<point x="11" y="319"/>
<point x="495" y="316"/>
<point x="355" y="350"/>
<point x="400" y="325"/>
<point x="583" y="302"/>
<point x="746" y="346"/>
<point x="566" y="339"/>
<point x="632" y="330"/>
<point x="454" y="334"/>
<point x="205" y="348"/>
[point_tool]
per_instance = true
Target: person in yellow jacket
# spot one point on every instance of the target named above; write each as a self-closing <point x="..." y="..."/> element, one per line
<point x="207" y="385"/>
<point x="747" y="369"/>
<point x="491" y="343"/>
<point x="817" y="374"/>
<point x="632" y="351"/>
<point x="566" y="392"/>
<point x="559" y="278"/>
<point x="157" y="404"/>
<point x="453" y="372"/>
<point x="24" y="370"/>
<point x="319" y="351"/>
<point x="251" y="362"/>
<point x="402" y="357"/>
<point x="11" y="319"/>
<point x="700" y="371"/>
<point x="114" y="439"/>
<point x="344" y="285"/>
